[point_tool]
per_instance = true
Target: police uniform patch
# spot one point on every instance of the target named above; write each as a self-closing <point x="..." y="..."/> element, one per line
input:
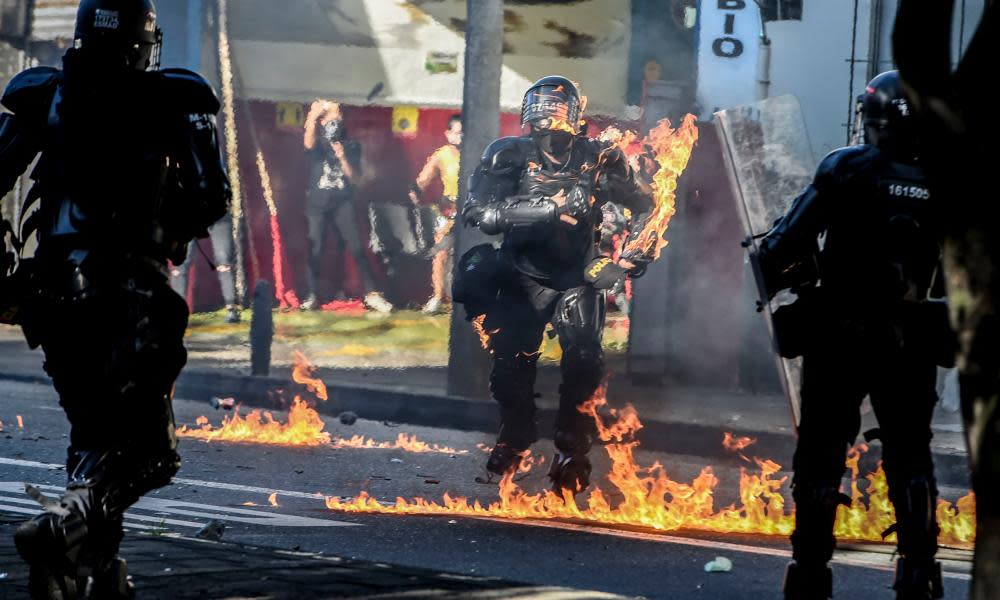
<point x="106" y="19"/>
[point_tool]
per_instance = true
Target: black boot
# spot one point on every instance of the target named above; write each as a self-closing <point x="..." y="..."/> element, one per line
<point x="111" y="582"/>
<point x="51" y="544"/>
<point x="807" y="582"/>
<point x="504" y="459"/>
<point x="918" y="580"/>
<point x="571" y="468"/>
<point x="570" y="472"/>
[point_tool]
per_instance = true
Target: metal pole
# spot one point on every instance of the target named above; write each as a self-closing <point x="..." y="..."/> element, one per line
<point x="853" y="62"/>
<point x="875" y="40"/>
<point x="764" y="57"/>
<point x="468" y="363"/>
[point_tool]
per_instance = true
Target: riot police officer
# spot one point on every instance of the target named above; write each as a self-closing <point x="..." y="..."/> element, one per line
<point x="129" y="172"/>
<point x="866" y="325"/>
<point x="543" y="192"/>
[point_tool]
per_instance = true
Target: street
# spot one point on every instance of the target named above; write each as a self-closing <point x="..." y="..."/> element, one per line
<point x="239" y="483"/>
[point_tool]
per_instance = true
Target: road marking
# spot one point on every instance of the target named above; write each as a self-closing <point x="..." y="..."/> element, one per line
<point x="163" y="508"/>
<point x="17" y="462"/>
<point x="870" y="560"/>
<point x="129" y="517"/>
<point x="218" y="485"/>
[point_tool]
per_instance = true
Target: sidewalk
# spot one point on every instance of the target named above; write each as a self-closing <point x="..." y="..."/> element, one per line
<point x="177" y="568"/>
<point x="680" y="420"/>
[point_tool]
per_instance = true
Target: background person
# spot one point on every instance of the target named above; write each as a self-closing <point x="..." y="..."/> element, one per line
<point x="221" y="235"/>
<point x="330" y="203"/>
<point x="443" y="163"/>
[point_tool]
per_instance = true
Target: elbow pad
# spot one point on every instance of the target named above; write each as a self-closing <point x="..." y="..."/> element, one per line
<point x="504" y="218"/>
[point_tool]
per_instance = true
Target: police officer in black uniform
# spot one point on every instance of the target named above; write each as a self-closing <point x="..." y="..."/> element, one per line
<point x="544" y="192"/>
<point x="870" y="327"/>
<point x="129" y="172"/>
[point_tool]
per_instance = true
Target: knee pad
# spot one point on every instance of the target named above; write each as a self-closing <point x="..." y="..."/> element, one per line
<point x="579" y="321"/>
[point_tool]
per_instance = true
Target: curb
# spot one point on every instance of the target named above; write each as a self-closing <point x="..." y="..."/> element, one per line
<point x="451" y="412"/>
<point x="430" y="410"/>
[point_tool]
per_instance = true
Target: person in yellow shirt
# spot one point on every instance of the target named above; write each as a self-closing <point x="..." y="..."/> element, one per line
<point x="443" y="163"/>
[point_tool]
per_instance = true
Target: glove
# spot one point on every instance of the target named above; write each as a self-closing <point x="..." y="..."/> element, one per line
<point x="577" y="203"/>
<point x="603" y="273"/>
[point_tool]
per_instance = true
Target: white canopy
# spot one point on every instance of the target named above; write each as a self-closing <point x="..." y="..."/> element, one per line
<point x="391" y="52"/>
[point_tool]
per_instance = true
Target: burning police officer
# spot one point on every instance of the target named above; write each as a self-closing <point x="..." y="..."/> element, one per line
<point x="544" y="192"/>
<point x="866" y="324"/>
<point x="129" y="172"/>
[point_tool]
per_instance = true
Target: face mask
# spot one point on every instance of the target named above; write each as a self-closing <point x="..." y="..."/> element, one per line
<point x="332" y="131"/>
<point x="552" y="142"/>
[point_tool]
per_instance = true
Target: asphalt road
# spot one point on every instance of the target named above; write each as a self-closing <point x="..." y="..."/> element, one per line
<point x="218" y="480"/>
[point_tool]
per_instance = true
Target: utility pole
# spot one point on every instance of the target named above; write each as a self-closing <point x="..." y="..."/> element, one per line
<point x="468" y="363"/>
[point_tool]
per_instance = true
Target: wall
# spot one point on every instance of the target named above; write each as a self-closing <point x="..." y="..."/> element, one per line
<point x="811" y="59"/>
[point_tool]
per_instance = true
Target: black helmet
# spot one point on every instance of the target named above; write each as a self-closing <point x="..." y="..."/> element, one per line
<point x="552" y="97"/>
<point x="888" y="124"/>
<point x="120" y="30"/>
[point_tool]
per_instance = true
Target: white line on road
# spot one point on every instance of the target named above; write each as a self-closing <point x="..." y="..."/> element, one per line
<point x="160" y="521"/>
<point x="218" y="485"/>
<point x="192" y="509"/>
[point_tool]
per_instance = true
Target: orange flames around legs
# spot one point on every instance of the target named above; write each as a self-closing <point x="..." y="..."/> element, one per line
<point x="650" y="498"/>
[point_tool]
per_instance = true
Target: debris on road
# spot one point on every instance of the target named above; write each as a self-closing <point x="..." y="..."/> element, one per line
<point x="223" y="403"/>
<point x="212" y="531"/>
<point x="721" y="564"/>
<point x="348" y="418"/>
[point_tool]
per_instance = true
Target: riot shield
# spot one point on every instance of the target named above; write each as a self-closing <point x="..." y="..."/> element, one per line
<point x="768" y="161"/>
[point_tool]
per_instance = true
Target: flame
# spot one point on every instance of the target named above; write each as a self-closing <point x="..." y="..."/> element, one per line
<point x="735" y="444"/>
<point x="650" y="498"/>
<point x="672" y="149"/>
<point x="302" y="373"/>
<point x="404" y="441"/>
<point x="618" y="138"/>
<point x="557" y="124"/>
<point x="484" y="336"/>
<point x="20" y="422"/>
<point x="304" y="428"/>
<point x="273" y="499"/>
